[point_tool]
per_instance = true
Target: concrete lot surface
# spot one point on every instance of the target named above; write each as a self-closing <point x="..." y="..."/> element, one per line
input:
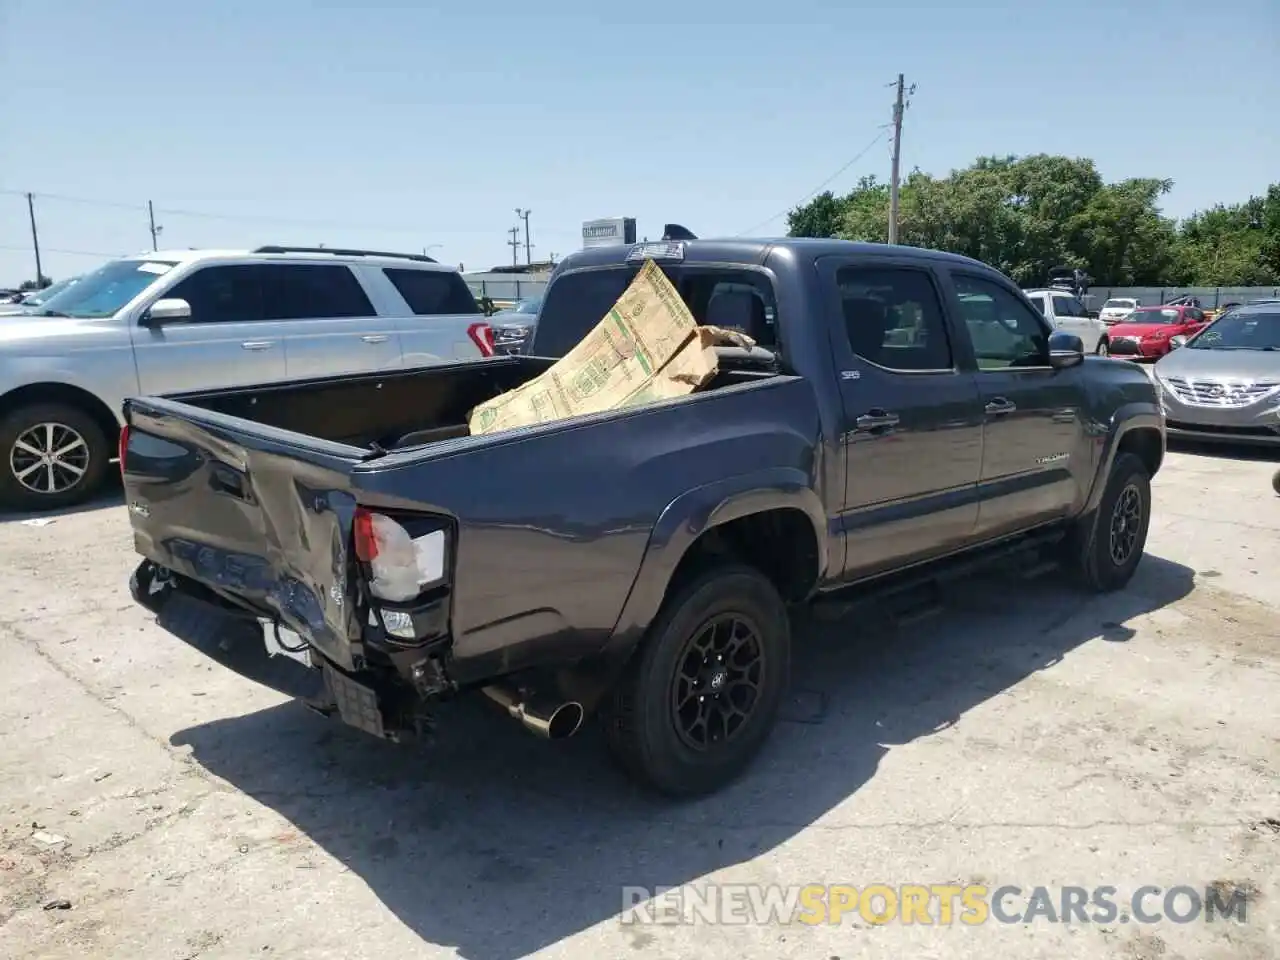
<point x="1028" y="735"/>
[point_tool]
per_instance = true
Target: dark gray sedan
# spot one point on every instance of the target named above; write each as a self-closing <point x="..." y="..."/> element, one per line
<point x="1224" y="383"/>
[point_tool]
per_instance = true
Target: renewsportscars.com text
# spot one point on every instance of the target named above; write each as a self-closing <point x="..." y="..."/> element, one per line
<point x="930" y="904"/>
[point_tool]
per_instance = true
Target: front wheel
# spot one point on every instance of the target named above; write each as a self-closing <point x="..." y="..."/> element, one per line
<point x="702" y="694"/>
<point x="55" y="455"/>
<point x="1105" y="547"/>
<point x="1275" y="481"/>
<point x="1103" y="349"/>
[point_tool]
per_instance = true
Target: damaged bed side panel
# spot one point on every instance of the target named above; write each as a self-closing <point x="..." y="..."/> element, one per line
<point x="264" y="521"/>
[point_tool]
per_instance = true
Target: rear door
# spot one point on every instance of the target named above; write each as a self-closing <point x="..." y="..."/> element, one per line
<point x="225" y="343"/>
<point x="439" y="312"/>
<point x="1034" y="433"/>
<point x="912" y="430"/>
<point x="326" y="321"/>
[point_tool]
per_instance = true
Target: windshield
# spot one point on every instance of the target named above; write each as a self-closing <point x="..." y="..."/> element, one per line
<point x="1241" y="331"/>
<point x="106" y="290"/>
<point x="41" y="296"/>
<point x="1154" y="316"/>
<point x="1119" y="305"/>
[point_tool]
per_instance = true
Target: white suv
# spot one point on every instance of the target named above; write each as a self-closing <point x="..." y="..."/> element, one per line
<point x="1065" y="311"/>
<point x="167" y="322"/>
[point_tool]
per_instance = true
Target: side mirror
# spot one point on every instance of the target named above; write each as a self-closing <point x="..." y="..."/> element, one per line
<point x="1180" y="340"/>
<point x="165" y="311"/>
<point x="1065" y="350"/>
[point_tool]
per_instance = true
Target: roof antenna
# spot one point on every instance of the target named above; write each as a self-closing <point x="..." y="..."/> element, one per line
<point x="673" y="231"/>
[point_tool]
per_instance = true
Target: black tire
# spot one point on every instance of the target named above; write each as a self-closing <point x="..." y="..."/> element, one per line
<point x="643" y="725"/>
<point x="1103" y="349"/>
<point x="72" y="422"/>
<point x="1122" y="518"/>
<point x="1275" y="481"/>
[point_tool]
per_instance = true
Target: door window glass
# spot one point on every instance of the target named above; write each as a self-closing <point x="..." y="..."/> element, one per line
<point x="222" y="294"/>
<point x="301" y="291"/>
<point x="1004" y="332"/>
<point x="893" y="318"/>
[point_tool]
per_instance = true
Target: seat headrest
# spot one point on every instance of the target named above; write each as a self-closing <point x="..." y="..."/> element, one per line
<point x="737" y="309"/>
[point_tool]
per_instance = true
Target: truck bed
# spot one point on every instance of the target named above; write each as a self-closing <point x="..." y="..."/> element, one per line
<point x="251" y="493"/>
<point x="391" y="410"/>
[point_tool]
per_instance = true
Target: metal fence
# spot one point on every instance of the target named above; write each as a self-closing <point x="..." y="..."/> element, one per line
<point x="506" y="288"/>
<point x="1211" y="297"/>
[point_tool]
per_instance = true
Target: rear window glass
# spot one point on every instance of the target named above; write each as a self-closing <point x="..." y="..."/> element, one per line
<point x="433" y="292"/>
<point x="575" y="302"/>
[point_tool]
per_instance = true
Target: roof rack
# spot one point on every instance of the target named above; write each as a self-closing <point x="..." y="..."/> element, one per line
<point x="343" y="252"/>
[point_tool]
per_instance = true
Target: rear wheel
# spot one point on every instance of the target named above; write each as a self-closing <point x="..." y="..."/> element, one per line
<point x="1275" y="481"/>
<point x="703" y="692"/>
<point x="1105" y="548"/>
<point x="55" y="455"/>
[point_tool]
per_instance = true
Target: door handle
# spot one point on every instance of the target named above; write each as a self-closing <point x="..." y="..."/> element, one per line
<point x="374" y="338"/>
<point x="1000" y="406"/>
<point x="876" y="420"/>
<point x="257" y="344"/>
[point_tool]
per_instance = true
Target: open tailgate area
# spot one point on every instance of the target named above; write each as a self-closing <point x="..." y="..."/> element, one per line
<point x="260" y="515"/>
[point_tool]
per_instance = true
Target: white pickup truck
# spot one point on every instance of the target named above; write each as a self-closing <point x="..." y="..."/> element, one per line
<point x="168" y="322"/>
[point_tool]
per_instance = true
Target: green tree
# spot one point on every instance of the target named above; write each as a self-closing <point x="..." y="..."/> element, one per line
<point x="820" y="217"/>
<point x="1026" y="215"/>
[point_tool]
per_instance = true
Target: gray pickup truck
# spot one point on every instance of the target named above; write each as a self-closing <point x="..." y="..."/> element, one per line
<point x="906" y="413"/>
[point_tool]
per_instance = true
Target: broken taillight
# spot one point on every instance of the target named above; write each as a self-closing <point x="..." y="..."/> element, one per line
<point x="481" y="335"/>
<point x="124" y="447"/>
<point x="401" y="566"/>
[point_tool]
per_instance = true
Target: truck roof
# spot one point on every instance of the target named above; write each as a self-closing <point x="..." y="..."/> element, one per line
<point x="755" y="250"/>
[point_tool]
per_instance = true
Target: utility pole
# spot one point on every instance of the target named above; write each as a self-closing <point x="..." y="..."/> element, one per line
<point x="897" y="155"/>
<point x="514" y="243"/>
<point x="35" y="240"/>
<point x="155" y="231"/>
<point x="528" y="247"/>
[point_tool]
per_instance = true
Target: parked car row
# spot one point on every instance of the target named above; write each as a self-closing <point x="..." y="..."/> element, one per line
<point x="169" y="322"/>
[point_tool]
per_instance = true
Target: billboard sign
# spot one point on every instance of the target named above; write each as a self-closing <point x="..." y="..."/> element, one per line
<point x="608" y="232"/>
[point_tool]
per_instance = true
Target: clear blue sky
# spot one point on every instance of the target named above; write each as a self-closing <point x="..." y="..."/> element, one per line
<point x="405" y="125"/>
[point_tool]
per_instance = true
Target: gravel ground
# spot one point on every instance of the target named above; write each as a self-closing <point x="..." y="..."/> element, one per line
<point x="1027" y="736"/>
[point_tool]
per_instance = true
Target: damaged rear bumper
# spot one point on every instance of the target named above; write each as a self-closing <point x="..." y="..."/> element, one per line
<point x="389" y="696"/>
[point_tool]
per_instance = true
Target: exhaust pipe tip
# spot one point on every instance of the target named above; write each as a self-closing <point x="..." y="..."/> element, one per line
<point x="553" y="721"/>
<point x="564" y="721"/>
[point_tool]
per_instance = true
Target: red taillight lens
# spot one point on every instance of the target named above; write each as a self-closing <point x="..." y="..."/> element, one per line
<point x="365" y="536"/>
<point x="481" y="335"/>
<point x="124" y="446"/>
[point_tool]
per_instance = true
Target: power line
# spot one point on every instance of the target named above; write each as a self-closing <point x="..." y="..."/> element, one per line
<point x="70" y="253"/>
<point x="820" y="187"/>
<point x="206" y="215"/>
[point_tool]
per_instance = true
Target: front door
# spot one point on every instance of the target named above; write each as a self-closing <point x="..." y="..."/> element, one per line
<point x="225" y="343"/>
<point x="1035" y="449"/>
<point x="912" y="434"/>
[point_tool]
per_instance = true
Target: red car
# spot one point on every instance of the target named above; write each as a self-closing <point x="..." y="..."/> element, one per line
<point x="1145" y="333"/>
